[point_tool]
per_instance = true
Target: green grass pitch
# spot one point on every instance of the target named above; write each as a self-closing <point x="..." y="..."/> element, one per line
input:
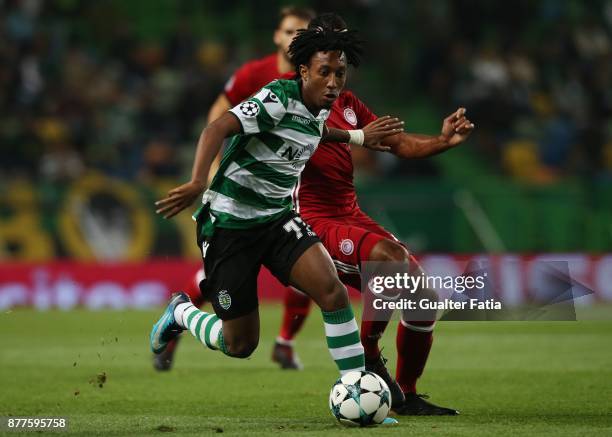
<point x="506" y="378"/>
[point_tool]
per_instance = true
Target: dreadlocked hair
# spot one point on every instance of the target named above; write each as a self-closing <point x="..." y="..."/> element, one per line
<point x="323" y="39"/>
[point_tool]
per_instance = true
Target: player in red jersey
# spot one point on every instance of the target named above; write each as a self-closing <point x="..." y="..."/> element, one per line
<point x="326" y="199"/>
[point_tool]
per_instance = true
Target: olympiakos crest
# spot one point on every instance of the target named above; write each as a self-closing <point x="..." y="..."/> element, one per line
<point x="225" y="300"/>
<point x="349" y="115"/>
<point x="347" y="246"/>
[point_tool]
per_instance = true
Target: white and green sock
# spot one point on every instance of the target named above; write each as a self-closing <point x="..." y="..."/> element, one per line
<point x="206" y="327"/>
<point x="343" y="340"/>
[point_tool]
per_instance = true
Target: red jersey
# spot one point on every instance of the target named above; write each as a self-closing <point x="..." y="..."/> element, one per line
<point x="325" y="187"/>
<point x="250" y="78"/>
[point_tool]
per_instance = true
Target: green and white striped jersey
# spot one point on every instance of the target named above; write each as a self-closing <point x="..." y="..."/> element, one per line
<point x="260" y="167"/>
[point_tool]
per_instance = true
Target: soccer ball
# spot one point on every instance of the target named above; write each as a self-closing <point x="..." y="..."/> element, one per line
<point x="360" y="398"/>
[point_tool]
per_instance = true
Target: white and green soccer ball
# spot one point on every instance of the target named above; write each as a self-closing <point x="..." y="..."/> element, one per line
<point x="360" y="398"/>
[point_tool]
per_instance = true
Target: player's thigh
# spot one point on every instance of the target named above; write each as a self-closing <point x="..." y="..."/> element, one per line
<point x="297" y="257"/>
<point x="382" y="245"/>
<point x="232" y="260"/>
<point x="348" y="244"/>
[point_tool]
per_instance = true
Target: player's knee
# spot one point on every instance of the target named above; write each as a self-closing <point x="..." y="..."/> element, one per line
<point x="336" y="296"/>
<point x="241" y="345"/>
<point x="428" y="293"/>
<point x="418" y="325"/>
<point x="387" y="250"/>
<point x="243" y="348"/>
<point x="426" y="316"/>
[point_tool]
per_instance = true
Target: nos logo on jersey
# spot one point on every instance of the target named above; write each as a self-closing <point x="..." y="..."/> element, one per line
<point x="225" y="300"/>
<point x="350" y="116"/>
<point x="290" y="154"/>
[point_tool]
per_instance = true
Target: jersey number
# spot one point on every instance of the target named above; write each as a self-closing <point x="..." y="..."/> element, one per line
<point x="293" y="225"/>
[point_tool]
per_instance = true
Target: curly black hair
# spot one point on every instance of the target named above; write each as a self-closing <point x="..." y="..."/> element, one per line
<point x="324" y="38"/>
<point x="328" y="20"/>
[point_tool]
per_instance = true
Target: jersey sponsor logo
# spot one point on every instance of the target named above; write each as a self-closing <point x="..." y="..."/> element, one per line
<point x="290" y="154"/>
<point x="347" y="246"/>
<point x="225" y="300"/>
<point x="306" y="150"/>
<point x="350" y="116"/>
<point x="302" y="120"/>
<point x="249" y="108"/>
<point x="310" y="148"/>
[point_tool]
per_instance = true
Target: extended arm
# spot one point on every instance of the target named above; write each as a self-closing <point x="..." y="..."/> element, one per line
<point x="208" y="148"/>
<point x="370" y="136"/>
<point x="455" y="129"/>
<point x="220" y="107"/>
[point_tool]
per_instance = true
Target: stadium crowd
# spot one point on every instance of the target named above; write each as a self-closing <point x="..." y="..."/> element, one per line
<point x="80" y="88"/>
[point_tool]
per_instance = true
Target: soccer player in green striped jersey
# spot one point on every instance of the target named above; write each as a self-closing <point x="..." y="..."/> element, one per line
<point x="247" y="218"/>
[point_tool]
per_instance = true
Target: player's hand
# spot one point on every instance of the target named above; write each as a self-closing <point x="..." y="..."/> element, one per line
<point x="379" y="129"/>
<point x="179" y="198"/>
<point x="456" y="127"/>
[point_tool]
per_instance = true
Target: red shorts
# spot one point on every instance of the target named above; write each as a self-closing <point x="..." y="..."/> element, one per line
<point x="349" y="239"/>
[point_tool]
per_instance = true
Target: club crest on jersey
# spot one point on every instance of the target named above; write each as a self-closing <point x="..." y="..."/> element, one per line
<point x="350" y="116"/>
<point x="347" y="246"/>
<point x="225" y="300"/>
<point x="249" y="108"/>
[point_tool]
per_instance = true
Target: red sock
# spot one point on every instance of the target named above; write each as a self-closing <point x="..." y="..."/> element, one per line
<point x="371" y="331"/>
<point x="412" y="351"/>
<point x="297" y="307"/>
<point x="192" y="288"/>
